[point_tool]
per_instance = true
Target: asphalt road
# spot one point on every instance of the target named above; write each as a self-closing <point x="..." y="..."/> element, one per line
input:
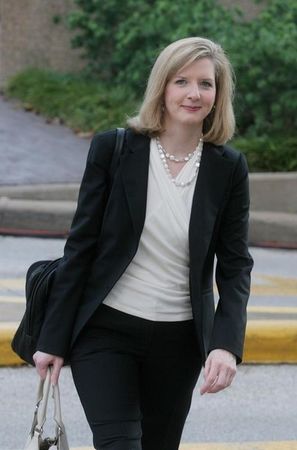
<point x="274" y="278"/>
<point x="259" y="406"/>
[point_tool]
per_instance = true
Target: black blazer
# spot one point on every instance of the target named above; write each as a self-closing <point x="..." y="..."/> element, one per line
<point x="107" y="226"/>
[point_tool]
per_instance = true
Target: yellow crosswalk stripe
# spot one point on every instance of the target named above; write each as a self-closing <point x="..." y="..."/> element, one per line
<point x="12" y="299"/>
<point x="12" y="283"/>
<point x="251" y="309"/>
<point x="275" y="445"/>
<point x="273" y="309"/>
<point x="262" y="285"/>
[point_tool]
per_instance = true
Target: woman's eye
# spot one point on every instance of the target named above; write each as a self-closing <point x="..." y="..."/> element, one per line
<point x="181" y="82"/>
<point x="206" y="84"/>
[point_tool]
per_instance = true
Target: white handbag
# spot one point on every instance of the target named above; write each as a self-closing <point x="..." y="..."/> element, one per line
<point x="35" y="440"/>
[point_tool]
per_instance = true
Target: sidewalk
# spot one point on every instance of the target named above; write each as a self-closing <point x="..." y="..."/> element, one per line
<point x="41" y="166"/>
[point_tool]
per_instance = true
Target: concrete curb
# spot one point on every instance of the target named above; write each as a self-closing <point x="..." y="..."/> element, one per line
<point x="48" y="209"/>
<point x="274" y="191"/>
<point x="273" y="226"/>
<point x="267" y="342"/>
<point x="53" y="217"/>
<point x="56" y="191"/>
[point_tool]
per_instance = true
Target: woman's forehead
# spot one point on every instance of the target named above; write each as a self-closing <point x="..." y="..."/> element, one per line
<point x="202" y="67"/>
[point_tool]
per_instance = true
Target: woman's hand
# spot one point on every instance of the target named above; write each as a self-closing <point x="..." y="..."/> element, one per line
<point x="43" y="361"/>
<point x="219" y="371"/>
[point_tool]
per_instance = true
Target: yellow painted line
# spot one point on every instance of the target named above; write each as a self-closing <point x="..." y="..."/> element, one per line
<point x="12" y="299"/>
<point x="274" y="285"/>
<point x="266" y="285"/>
<point x="267" y="342"/>
<point x="287" y="445"/>
<point x="273" y="341"/>
<point x="251" y="309"/>
<point x="12" y="283"/>
<point x="273" y="309"/>
<point x="7" y="356"/>
<point x="274" y="445"/>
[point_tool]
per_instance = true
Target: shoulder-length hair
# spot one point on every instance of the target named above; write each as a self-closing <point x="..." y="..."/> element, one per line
<point x="219" y="125"/>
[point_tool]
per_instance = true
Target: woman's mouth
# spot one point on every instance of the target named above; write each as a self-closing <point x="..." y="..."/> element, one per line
<point x="191" y="108"/>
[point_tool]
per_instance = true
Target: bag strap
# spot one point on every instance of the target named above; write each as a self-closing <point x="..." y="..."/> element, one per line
<point x="41" y="408"/>
<point x="121" y="132"/>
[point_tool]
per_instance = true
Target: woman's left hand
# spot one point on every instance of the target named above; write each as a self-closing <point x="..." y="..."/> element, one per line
<point x="219" y="371"/>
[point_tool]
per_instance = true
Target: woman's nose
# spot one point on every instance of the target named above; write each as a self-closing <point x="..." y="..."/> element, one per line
<point x="194" y="92"/>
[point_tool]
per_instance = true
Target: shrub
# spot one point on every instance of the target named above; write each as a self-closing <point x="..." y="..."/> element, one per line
<point x="267" y="154"/>
<point x="83" y="104"/>
<point x="86" y="105"/>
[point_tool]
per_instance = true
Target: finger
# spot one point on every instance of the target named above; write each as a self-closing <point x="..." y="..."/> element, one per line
<point x="223" y="381"/>
<point x="209" y="380"/>
<point x="41" y="368"/>
<point x="220" y="384"/>
<point x="42" y="371"/>
<point x="56" y="369"/>
<point x="207" y="367"/>
<point x="206" y="387"/>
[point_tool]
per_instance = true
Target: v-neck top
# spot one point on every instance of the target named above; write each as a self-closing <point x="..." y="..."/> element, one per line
<point x="155" y="285"/>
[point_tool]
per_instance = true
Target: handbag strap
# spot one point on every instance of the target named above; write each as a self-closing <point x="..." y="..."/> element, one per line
<point x="41" y="403"/>
<point x="41" y="408"/>
<point x="120" y="136"/>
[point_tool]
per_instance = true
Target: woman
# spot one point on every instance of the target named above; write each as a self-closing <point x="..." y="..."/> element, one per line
<point x="132" y="303"/>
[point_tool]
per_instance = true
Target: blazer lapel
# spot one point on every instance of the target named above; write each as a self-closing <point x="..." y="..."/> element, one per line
<point x="211" y="187"/>
<point x="134" y="170"/>
<point x="210" y="190"/>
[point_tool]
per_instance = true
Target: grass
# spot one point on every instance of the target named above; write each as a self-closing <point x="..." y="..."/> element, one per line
<point x="80" y="103"/>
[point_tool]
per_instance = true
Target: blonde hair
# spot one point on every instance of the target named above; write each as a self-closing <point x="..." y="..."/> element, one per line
<point x="219" y="125"/>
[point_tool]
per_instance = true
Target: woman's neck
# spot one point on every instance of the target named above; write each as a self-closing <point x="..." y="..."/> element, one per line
<point x="180" y="141"/>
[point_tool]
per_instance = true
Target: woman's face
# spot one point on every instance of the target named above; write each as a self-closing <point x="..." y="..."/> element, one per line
<point x="190" y="94"/>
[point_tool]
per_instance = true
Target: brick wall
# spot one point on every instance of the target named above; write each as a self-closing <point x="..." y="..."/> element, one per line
<point x="29" y="37"/>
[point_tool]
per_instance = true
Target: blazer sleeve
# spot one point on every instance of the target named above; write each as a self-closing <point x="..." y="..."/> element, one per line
<point x="233" y="268"/>
<point x="79" y="252"/>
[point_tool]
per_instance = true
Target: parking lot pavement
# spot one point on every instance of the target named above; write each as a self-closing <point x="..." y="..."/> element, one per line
<point x="272" y="310"/>
<point x="258" y="410"/>
<point x="257" y="413"/>
<point x="274" y="278"/>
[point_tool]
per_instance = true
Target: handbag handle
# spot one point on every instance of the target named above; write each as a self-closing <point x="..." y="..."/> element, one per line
<point x="40" y="416"/>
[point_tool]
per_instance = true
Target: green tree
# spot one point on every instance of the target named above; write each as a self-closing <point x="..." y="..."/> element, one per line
<point x="264" y="56"/>
<point x="121" y="40"/>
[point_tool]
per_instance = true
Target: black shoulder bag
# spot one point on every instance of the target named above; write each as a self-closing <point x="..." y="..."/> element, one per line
<point x="39" y="278"/>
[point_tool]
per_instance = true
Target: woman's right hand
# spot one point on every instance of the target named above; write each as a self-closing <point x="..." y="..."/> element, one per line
<point x="43" y="361"/>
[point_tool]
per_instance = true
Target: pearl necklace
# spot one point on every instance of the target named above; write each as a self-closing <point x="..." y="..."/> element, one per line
<point x="173" y="157"/>
<point x="164" y="156"/>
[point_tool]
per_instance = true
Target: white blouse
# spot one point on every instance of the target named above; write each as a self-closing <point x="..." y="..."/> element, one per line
<point x="155" y="285"/>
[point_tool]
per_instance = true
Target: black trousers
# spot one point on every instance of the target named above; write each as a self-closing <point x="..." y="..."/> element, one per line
<point x="135" y="379"/>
